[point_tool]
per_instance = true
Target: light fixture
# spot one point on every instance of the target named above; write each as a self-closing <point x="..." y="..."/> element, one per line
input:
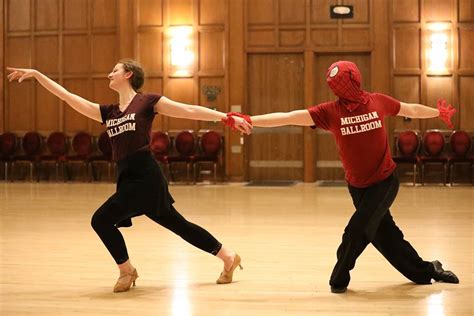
<point x="341" y="11"/>
<point x="438" y="48"/>
<point x="181" y="51"/>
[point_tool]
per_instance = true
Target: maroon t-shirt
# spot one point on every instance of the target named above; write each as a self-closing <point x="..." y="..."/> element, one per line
<point x="130" y="130"/>
<point x="360" y="137"/>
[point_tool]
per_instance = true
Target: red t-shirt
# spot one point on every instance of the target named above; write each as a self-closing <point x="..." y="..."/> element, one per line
<point x="360" y="137"/>
<point x="130" y="130"/>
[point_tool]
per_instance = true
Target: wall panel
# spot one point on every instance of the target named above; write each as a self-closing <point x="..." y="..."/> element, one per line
<point x="211" y="51"/>
<point x="150" y="12"/>
<point x="104" y="13"/>
<point x="76" y="54"/>
<point x="320" y="11"/>
<point x="18" y="12"/>
<point x="18" y="52"/>
<point x="104" y="52"/>
<point x="212" y="12"/>
<point x="438" y="10"/>
<point x="47" y="15"/>
<point x="407" y="89"/>
<point x="439" y="87"/>
<point x="292" y="11"/>
<point x="406" y="10"/>
<point x="47" y="110"/>
<point x="19" y="107"/>
<point x="466" y="48"/>
<point x="73" y="120"/>
<point x="407" y="44"/>
<point x="47" y="54"/>
<point x="466" y="103"/>
<point x="150" y="50"/>
<point x="260" y="12"/>
<point x="75" y="14"/>
<point x="466" y="11"/>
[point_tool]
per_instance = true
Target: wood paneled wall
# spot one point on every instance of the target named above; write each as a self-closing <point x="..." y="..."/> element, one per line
<point x="74" y="42"/>
<point x="77" y="42"/>
<point x="411" y="79"/>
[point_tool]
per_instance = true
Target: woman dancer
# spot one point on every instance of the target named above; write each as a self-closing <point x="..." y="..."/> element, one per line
<point x="141" y="186"/>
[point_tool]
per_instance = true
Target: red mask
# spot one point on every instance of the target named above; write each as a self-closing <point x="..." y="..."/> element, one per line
<point x="343" y="77"/>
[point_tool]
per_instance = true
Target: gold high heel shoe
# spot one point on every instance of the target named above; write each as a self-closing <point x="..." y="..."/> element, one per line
<point x="123" y="287"/>
<point x="226" y="276"/>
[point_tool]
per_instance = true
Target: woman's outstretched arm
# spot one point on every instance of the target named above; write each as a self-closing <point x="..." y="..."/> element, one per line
<point x="81" y="105"/>
<point x="172" y="108"/>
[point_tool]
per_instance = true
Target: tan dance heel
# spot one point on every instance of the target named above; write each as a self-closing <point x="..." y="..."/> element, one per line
<point x="124" y="287"/>
<point x="226" y="276"/>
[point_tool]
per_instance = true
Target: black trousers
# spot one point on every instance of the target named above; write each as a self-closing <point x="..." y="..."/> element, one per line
<point x="142" y="190"/>
<point x="373" y="223"/>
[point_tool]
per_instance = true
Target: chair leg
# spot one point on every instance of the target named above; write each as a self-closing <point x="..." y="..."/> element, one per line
<point x="31" y="171"/>
<point x="187" y="172"/>
<point x="6" y="170"/>
<point x="414" y="174"/>
<point x="215" y="173"/>
<point x="451" y="173"/>
<point x="445" y="178"/>
<point x="422" y="174"/>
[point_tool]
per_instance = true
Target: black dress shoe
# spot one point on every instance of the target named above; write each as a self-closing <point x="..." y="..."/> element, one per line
<point x="443" y="275"/>
<point x="338" y="289"/>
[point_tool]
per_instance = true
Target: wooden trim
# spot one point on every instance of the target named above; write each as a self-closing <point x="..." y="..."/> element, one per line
<point x="308" y="134"/>
<point x="2" y="66"/>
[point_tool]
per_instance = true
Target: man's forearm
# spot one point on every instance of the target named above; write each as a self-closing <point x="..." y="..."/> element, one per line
<point x="271" y="120"/>
<point x="422" y="111"/>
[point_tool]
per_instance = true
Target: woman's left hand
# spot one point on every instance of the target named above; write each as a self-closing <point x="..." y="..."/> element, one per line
<point x="242" y="125"/>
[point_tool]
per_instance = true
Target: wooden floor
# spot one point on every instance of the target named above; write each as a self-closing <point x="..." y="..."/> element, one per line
<point x="52" y="263"/>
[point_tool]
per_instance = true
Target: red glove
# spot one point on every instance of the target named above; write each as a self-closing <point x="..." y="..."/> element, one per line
<point x="245" y="117"/>
<point x="445" y="112"/>
<point x="229" y="121"/>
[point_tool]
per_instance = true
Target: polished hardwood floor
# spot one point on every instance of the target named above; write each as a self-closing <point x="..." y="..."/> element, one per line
<point x="52" y="263"/>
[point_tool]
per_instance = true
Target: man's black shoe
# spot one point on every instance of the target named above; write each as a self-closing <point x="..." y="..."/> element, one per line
<point x="338" y="290"/>
<point x="443" y="275"/>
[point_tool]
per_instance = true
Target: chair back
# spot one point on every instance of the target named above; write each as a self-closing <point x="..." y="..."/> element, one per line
<point x="210" y="143"/>
<point x="31" y="144"/>
<point x="433" y="143"/>
<point x="57" y="143"/>
<point x="160" y="143"/>
<point x="461" y="143"/>
<point x="82" y="144"/>
<point x="185" y="143"/>
<point x="8" y="143"/>
<point x="408" y="143"/>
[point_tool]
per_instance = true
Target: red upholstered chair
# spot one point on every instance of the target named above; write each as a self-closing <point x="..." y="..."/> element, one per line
<point x="57" y="146"/>
<point x="8" y="146"/>
<point x="210" y="144"/>
<point x="433" y="153"/>
<point x="185" y="145"/>
<point x="82" y="147"/>
<point x="32" y="144"/>
<point x="160" y="147"/>
<point x="408" y="145"/>
<point x="104" y="156"/>
<point x="460" y="144"/>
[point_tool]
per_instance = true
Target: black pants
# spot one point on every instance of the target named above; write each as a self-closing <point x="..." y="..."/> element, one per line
<point x="108" y="215"/>
<point x="142" y="190"/>
<point x="373" y="223"/>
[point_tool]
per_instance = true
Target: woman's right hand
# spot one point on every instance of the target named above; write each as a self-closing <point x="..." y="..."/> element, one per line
<point x="20" y="74"/>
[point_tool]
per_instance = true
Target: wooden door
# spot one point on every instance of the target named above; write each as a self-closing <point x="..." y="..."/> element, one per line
<point x="275" y="84"/>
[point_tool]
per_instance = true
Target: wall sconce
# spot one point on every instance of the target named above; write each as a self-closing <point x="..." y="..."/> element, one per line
<point x="438" y="49"/>
<point x="341" y="11"/>
<point x="181" y="51"/>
